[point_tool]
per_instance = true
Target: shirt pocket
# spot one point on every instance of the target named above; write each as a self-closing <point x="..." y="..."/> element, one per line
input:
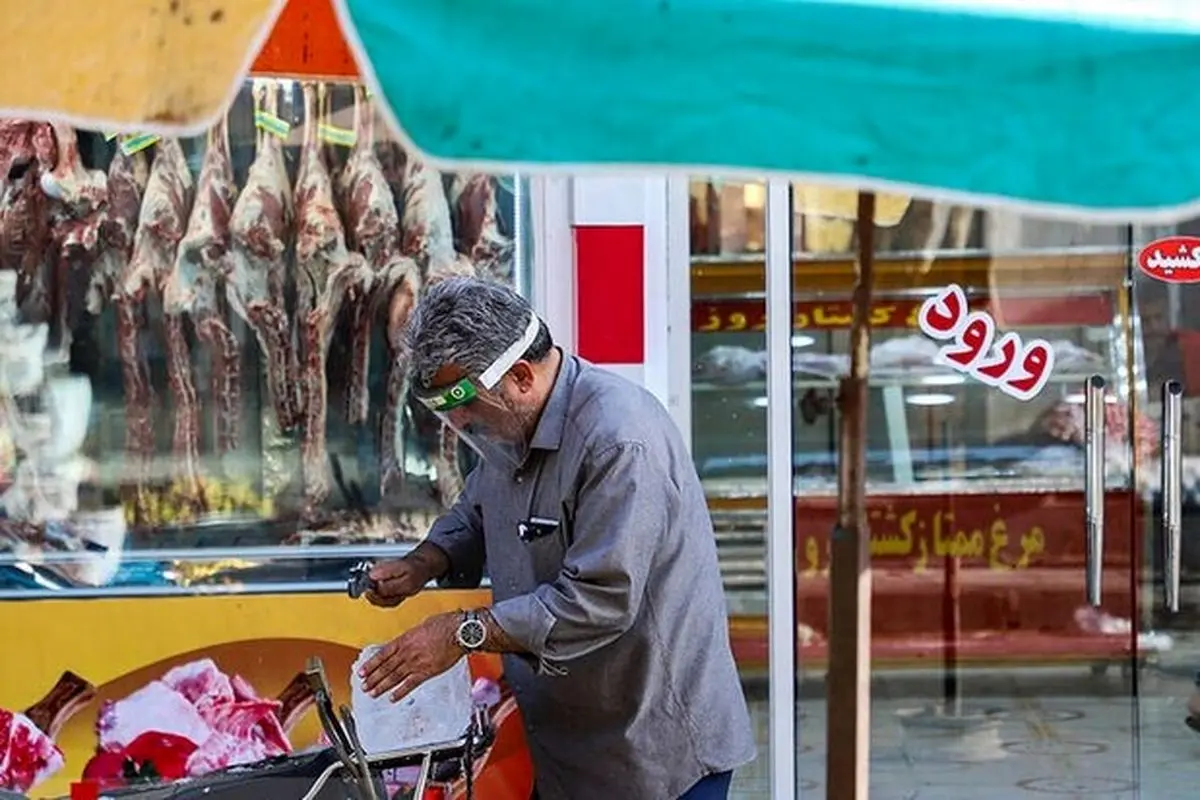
<point x="545" y="545"/>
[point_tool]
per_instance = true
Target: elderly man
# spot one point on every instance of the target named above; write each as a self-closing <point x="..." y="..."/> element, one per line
<point x="590" y="518"/>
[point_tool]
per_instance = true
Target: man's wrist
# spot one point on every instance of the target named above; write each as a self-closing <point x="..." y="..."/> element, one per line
<point x="431" y="561"/>
<point x="497" y="639"/>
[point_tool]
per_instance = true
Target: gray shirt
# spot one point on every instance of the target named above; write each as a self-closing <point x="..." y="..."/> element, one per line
<point x="631" y="689"/>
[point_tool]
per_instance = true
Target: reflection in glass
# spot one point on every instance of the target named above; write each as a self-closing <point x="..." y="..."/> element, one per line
<point x="729" y="422"/>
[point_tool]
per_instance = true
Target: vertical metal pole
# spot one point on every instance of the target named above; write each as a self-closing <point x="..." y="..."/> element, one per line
<point x="849" y="679"/>
<point x="781" y="551"/>
<point x="679" y="304"/>
<point x="521" y="279"/>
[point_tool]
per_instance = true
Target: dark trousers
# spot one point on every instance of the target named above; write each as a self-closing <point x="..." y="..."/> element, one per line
<point x="710" y="787"/>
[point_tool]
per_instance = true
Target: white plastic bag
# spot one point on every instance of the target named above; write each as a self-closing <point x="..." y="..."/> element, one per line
<point x="437" y="711"/>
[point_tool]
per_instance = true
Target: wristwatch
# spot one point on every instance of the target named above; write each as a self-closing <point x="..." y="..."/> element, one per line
<point x="471" y="632"/>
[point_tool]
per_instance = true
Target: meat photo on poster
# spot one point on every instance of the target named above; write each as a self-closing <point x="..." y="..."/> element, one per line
<point x="236" y="303"/>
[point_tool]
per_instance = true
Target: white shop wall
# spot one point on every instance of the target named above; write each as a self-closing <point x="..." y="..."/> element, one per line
<point x="571" y="212"/>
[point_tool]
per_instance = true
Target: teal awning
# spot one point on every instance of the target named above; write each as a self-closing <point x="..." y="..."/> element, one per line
<point x="1033" y="100"/>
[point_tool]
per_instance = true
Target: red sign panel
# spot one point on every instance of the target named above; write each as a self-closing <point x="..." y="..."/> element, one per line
<point x="610" y="295"/>
<point x="1175" y="259"/>
<point x="729" y="316"/>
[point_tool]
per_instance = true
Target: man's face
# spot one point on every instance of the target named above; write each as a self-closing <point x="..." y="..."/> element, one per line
<point x="496" y="413"/>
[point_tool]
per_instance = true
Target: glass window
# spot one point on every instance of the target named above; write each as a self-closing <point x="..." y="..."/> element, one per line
<point x="729" y="421"/>
<point x="218" y="379"/>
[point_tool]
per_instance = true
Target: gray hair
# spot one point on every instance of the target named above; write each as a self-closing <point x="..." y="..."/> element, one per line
<point x="468" y="322"/>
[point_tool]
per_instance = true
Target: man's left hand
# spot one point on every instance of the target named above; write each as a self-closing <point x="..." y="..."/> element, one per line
<point x="413" y="657"/>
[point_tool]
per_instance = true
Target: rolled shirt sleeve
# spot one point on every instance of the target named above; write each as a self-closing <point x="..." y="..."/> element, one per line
<point x="620" y="520"/>
<point x="459" y="534"/>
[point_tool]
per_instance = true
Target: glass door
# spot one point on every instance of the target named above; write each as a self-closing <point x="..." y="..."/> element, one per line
<point x="1167" y="312"/>
<point x="1003" y="510"/>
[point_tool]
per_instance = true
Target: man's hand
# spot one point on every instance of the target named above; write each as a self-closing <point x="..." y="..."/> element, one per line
<point x="398" y="580"/>
<point x="413" y="657"/>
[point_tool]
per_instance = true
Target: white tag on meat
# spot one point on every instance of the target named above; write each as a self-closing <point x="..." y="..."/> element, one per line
<point x="437" y="711"/>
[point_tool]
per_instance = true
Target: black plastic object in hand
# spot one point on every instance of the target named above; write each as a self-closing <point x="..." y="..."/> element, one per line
<point x="360" y="580"/>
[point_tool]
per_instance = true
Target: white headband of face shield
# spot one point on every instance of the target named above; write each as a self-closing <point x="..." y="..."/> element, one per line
<point x="492" y="375"/>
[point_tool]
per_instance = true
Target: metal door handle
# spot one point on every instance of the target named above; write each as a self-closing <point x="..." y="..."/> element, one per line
<point x="1172" y="490"/>
<point x="1093" y="484"/>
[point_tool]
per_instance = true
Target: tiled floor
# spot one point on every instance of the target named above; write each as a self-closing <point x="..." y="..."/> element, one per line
<point x="1061" y="733"/>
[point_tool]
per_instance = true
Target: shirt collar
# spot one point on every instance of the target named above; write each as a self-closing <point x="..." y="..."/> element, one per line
<point x="549" y="432"/>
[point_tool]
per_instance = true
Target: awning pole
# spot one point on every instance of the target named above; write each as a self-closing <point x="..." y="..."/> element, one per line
<point x="849" y="679"/>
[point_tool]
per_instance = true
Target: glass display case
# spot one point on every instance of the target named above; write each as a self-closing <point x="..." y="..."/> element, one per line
<point x="201" y="343"/>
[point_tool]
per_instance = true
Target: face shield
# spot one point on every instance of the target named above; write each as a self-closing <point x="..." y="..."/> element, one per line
<point x="481" y="416"/>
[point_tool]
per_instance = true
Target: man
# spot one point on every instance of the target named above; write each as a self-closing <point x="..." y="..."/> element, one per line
<point x="588" y="513"/>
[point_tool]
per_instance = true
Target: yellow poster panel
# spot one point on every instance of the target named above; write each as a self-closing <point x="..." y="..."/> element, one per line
<point x="133" y="64"/>
<point x="119" y="645"/>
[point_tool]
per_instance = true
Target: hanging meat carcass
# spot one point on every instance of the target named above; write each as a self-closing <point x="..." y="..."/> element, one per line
<point x="428" y="238"/>
<point x="161" y="226"/>
<point x="27" y="151"/>
<point x="260" y="231"/>
<point x="128" y="175"/>
<point x="477" y="226"/>
<point x="199" y="285"/>
<point x="78" y="201"/>
<point x="326" y="272"/>
<point x="372" y="228"/>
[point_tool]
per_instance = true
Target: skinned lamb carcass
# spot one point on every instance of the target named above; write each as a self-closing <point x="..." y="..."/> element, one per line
<point x="477" y="226"/>
<point x="161" y="227"/>
<point x="372" y="228"/>
<point x="260" y="230"/>
<point x="127" y="179"/>
<point x="27" y="151"/>
<point x="428" y="238"/>
<point x="199" y="285"/>
<point x="78" y="200"/>
<point x="326" y="272"/>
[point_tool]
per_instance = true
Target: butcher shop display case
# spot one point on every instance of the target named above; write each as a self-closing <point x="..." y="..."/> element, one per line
<point x="203" y="371"/>
<point x="204" y="417"/>
<point x="976" y="497"/>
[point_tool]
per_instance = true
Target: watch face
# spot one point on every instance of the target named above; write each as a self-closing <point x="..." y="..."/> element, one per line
<point x="471" y="634"/>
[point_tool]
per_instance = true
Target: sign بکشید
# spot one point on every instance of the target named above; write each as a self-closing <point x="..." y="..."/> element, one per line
<point x="1173" y="259"/>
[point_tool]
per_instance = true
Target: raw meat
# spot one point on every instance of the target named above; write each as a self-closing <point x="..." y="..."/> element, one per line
<point x="82" y="191"/>
<point x="372" y="228"/>
<point x="78" y="199"/>
<point x="127" y="178"/>
<point x="199" y="285"/>
<point x="260" y="229"/>
<point x="27" y="755"/>
<point x="327" y="272"/>
<point x="161" y="224"/>
<point x="403" y="286"/>
<point x="223" y="717"/>
<point x="428" y="238"/>
<point x="477" y="230"/>
<point x="27" y="151"/>
<point x="730" y="365"/>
